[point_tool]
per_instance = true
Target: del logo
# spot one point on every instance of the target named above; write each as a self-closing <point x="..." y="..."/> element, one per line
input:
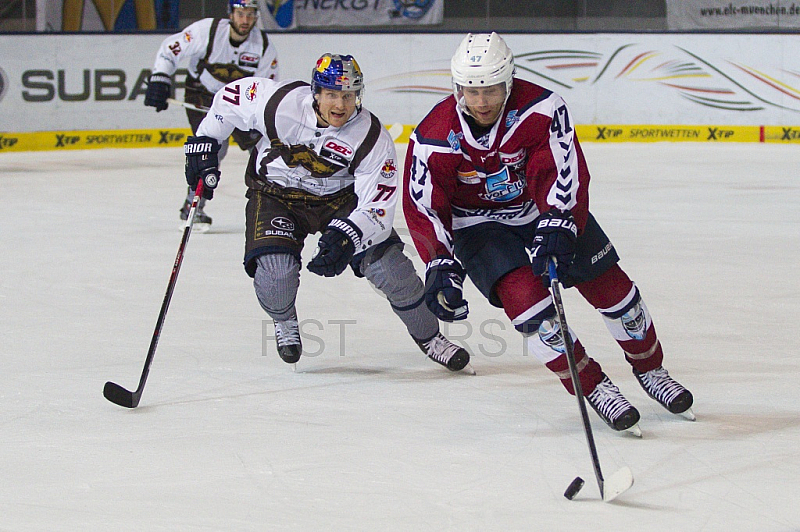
<point x="249" y="59"/>
<point x="250" y="93"/>
<point x="512" y="159"/>
<point x="343" y="149"/>
<point x="187" y="36"/>
<point x="389" y="169"/>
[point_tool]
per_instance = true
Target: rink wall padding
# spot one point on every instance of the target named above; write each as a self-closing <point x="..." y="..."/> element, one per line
<point x="170" y="138"/>
<point x="620" y="87"/>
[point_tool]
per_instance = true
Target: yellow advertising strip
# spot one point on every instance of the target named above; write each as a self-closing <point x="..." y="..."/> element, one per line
<point x="86" y="140"/>
<point x="628" y="133"/>
<point x="170" y="138"/>
<point x="781" y="134"/>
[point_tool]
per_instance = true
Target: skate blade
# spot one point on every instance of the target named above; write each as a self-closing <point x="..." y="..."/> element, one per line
<point x="688" y="414"/>
<point x="197" y="227"/>
<point x="468" y="369"/>
<point x="201" y="227"/>
<point x="617" y="484"/>
<point x="635" y="431"/>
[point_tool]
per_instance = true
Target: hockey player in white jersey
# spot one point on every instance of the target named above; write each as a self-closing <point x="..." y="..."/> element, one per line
<point x="216" y="52"/>
<point x="323" y="164"/>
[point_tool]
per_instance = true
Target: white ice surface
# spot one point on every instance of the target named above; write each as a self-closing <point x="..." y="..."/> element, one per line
<point x="368" y="434"/>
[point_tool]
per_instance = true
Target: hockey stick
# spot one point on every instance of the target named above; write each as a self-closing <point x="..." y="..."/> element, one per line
<point x="116" y="393"/>
<point x="622" y="479"/>
<point x="191" y="106"/>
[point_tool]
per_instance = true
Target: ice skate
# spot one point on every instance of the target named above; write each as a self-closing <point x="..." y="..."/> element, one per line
<point x="667" y="391"/>
<point x="202" y="221"/>
<point x="444" y="352"/>
<point x="287" y="336"/>
<point x="613" y="408"/>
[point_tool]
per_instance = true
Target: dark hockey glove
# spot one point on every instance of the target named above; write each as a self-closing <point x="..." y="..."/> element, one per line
<point x="202" y="162"/>
<point x="158" y="89"/>
<point x="336" y="248"/>
<point x="444" y="280"/>
<point x="556" y="235"/>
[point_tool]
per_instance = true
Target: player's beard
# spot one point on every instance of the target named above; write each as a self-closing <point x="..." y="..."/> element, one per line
<point x="237" y="30"/>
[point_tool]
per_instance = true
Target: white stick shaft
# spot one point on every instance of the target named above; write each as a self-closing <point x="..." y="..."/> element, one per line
<point x="191" y="106"/>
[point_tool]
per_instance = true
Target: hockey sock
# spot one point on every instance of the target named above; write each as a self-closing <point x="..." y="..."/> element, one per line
<point x="531" y="310"/>
<point x="589" y="371"/>
<point x="548" y="347"/>
<point x="394" y="276"/>
<point x="626" y="317"/>
<point x="276" y="282"/>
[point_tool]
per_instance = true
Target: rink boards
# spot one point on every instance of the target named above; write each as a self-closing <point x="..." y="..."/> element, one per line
<point x="166" y="138"/>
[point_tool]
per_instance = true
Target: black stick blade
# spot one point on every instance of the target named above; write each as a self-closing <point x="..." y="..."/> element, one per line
<point x="120" y="396"/>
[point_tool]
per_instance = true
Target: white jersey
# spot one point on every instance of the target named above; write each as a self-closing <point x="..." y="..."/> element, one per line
<point x="295" y="152"/>
<point x="215" y="61"/>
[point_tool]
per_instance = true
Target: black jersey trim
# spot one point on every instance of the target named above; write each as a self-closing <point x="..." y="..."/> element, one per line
<point x="543" y="96"/>
<point x="212" y="34"/>
<point x="272" y="107"/>
<point x="369" y="143"/>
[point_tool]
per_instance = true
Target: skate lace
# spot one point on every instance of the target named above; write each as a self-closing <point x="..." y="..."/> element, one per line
<point x="660" y="385"/>
<point x="608" y="400"/>
<point x="287" y="333"/>
<point x="441" y="349"/>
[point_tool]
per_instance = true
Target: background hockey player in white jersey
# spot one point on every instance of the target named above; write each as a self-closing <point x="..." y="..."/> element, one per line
<point x="216" y="51"/>
<point x="495" y="170"/>
<point x="324" y="164"/>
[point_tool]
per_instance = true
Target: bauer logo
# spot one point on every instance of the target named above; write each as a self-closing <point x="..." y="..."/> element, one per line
<point x="3" y="84"/>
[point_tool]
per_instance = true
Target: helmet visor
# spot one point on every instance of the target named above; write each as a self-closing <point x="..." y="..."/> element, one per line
<point x="493" y="96"/>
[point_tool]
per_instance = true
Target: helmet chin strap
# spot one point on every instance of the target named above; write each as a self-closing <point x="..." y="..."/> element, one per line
<point x="315" y="106"/>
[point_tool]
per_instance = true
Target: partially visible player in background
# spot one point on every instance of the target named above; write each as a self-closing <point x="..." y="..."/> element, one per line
<point x="217" y="51"/>
<point x="496" y="170"/>
<point x="324" y="164"/>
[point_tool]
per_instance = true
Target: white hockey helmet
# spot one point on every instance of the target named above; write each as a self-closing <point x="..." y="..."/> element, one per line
<point x="481" y="60"/>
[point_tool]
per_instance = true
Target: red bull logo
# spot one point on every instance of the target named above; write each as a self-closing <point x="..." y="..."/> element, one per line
<point x="250" y="93"/>
<point x="323" y="63"/>
<point x="389" y="169"/>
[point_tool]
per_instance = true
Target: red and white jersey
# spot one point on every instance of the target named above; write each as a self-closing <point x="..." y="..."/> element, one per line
<point x="295" y="152"/>
<point x="528" y="162"/>
<point x="205" y="47"/>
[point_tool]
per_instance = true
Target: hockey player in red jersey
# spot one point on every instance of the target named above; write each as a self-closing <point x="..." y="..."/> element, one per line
<point x="323" y="164"/>
<point x="496" y="170"/>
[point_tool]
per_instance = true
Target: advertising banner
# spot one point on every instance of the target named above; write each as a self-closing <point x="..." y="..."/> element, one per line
<point x="276" y="15"/>
<point x="106" y="15"/>
<point x="94" y="82"/>
<point x="349" y="13"/>
<point x="732" y="15"/>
